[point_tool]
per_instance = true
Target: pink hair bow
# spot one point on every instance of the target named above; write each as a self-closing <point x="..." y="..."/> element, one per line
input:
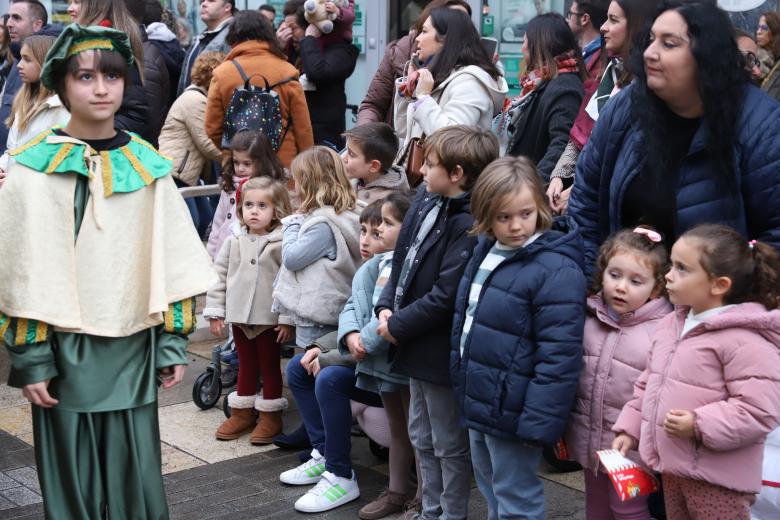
<point x="652" y="236"/>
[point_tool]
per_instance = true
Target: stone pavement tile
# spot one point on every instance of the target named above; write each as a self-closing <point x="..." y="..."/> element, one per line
<point x="6" y="504"/>
<point x="191" y="430"/>
<point x="561" y="502"/>
<point x="9" y="443"/>
<point x="27" y="438"/>
<point x="7" y="482"/>
<point x="16" y="420"/>
<point x="21" y="496"/>
<point x="31" y="512"/>
<point x="202" y="348"/>
<point x="10" y="396"/>
<point x="26" y="476"/>
<point x="574" y="480"/>
<point x="176" y="460"/>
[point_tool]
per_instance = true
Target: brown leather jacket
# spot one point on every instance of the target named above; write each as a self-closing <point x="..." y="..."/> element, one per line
<point x="377" y="106"/>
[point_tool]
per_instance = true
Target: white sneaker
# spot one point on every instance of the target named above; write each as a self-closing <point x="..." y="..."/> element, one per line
<point x="329" y="493"/>
<point x="307" y="473"/>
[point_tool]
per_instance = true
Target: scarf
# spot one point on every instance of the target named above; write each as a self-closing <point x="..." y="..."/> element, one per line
<point x="566" y="62"/>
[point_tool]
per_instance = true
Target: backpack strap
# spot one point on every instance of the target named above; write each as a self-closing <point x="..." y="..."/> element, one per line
<point x="243" y="74"/>
<point x="289" y="116"/>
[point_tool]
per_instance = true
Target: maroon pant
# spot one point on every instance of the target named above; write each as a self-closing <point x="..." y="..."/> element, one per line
<point x="688" y="499"/>
<point x="259" y="355"/>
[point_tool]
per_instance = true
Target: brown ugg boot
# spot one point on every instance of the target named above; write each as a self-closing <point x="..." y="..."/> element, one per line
<point x="270" y="424"/>
<point x="242" y="417"/>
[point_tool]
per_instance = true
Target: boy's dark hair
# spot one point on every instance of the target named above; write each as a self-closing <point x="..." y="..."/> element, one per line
<point x="399" y="204"/>
<point x="106" y="62"/>
<point x="267" y="7"/>
<point x="466" y="146"/>
<point x="153" y="12"/>
<point x="377" y="141"/>
<point x="37" y="10"/>
<point x="372" y="214"/>
<point x="295" y="7"/>
<point x="137" y="9"/>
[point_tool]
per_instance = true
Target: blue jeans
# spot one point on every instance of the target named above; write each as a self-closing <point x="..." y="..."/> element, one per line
<point x="506" y="476"/>
<point x="327" y="416"/>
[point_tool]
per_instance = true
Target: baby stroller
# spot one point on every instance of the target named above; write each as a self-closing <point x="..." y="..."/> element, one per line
<point x="222" y="373"/>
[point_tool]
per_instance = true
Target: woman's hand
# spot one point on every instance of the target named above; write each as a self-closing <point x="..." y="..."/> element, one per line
<point x="285" y="333"/>
<point x="38" y="394"/>
<point x="624" y="443"/>
<point x="383" y="329"/>
<point x="172" y="376"/>
<point x="313" y="31"/>
<point x="424" y="84"/>
<point x="563" y="201"/>
<point x="330" y="7"/>
<point x="680" y="424"/>
<point x="284" y="34"/>
<point x="554" y="191"/>
<point x="355" y="346"/>
<point x="216" y="325"/>
<point x="314" y="367"/>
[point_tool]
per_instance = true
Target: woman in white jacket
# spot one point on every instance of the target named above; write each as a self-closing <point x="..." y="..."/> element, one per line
<point x="35" y="108"/>
<point x="458" y="85"/>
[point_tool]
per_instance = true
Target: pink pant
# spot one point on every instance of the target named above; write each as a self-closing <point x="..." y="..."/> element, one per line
<point x="688" y="499"/>
<point x="603" y="503"/>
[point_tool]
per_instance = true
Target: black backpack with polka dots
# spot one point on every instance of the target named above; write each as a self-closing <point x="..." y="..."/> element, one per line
<point x="255" y="108"/>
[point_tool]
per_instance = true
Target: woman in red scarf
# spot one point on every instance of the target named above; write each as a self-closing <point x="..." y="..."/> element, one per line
<point x="539" y="120"/>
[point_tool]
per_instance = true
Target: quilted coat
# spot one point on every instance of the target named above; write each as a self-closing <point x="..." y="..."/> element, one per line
<point x="726" y="370"/>
<point x="518" y="373"/>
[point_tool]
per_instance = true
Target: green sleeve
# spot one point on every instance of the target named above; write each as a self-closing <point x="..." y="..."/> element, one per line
<point x="28" y="343"/>
<point x="171" y="350"/>
<point x="179" y="323"/>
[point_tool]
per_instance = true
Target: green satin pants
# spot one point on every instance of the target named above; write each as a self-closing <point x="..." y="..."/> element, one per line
<point x="100" y="465"/>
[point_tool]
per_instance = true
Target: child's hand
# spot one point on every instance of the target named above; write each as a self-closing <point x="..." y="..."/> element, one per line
<point x="355" y="346"/>
<point x="308" y="357"/>
<point x="679" y="424"/>
<point x="384" y="331"/>
<point x="172" y="376"/>
<point x="385" y="314"/>
<point x="286" y="333"/>
<point x="216" y="325"/>
<point x="38" y="394"/>
<point x="313" y="30"/>
<point x="624" y="442"/>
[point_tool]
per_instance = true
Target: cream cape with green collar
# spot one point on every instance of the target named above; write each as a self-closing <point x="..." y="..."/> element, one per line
<point x="136" y="251"/>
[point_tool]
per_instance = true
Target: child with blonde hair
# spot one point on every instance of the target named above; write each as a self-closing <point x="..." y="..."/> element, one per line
<point x="247" y="265"/>
<point x="622" y="317"/>
<point x="517" y="335"/>
<point x="35" y="108"/>
<point x="321" y="246"/>
<point x="711" y="391"/>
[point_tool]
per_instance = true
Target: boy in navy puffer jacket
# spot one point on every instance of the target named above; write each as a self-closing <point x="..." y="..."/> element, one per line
<point x="415" y="310"/>
<point x="517" y="335"/>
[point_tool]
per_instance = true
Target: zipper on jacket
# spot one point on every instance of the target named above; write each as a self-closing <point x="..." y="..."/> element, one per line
<point x="658" y="400"/>
<point x="183" y="162"/>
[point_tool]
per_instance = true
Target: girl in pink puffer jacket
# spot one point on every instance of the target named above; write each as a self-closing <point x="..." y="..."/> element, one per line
<point x="711" y="391"/>
<point x="622" y="317"/>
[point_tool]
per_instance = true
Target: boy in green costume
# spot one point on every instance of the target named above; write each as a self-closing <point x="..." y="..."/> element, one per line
<point x="100" y="266"/>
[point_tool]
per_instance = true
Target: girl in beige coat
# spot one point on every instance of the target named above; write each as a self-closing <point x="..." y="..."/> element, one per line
<point x="247" y="265"/>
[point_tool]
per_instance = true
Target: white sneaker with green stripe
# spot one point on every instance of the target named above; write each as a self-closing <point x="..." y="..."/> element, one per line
<point x="307" y="473"/>
<point x="329" y="493"/>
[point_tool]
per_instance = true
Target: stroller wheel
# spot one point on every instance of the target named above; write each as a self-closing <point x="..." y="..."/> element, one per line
<point x="206" y="390"/>
<point x="226" y="407"/>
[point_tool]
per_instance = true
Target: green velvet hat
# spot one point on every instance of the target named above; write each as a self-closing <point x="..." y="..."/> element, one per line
<point x="75" y="39"/>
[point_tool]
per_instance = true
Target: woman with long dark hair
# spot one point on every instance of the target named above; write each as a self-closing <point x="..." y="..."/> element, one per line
<point x="6" y="56"/>
<point x="621" y="32"/>
<point x="457" y="85"/>
<point x="690" y="141"/>
<point x="540" y="118"/>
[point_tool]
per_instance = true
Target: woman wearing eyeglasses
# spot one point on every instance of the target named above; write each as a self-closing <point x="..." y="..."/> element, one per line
<point x="768" y="40"/>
